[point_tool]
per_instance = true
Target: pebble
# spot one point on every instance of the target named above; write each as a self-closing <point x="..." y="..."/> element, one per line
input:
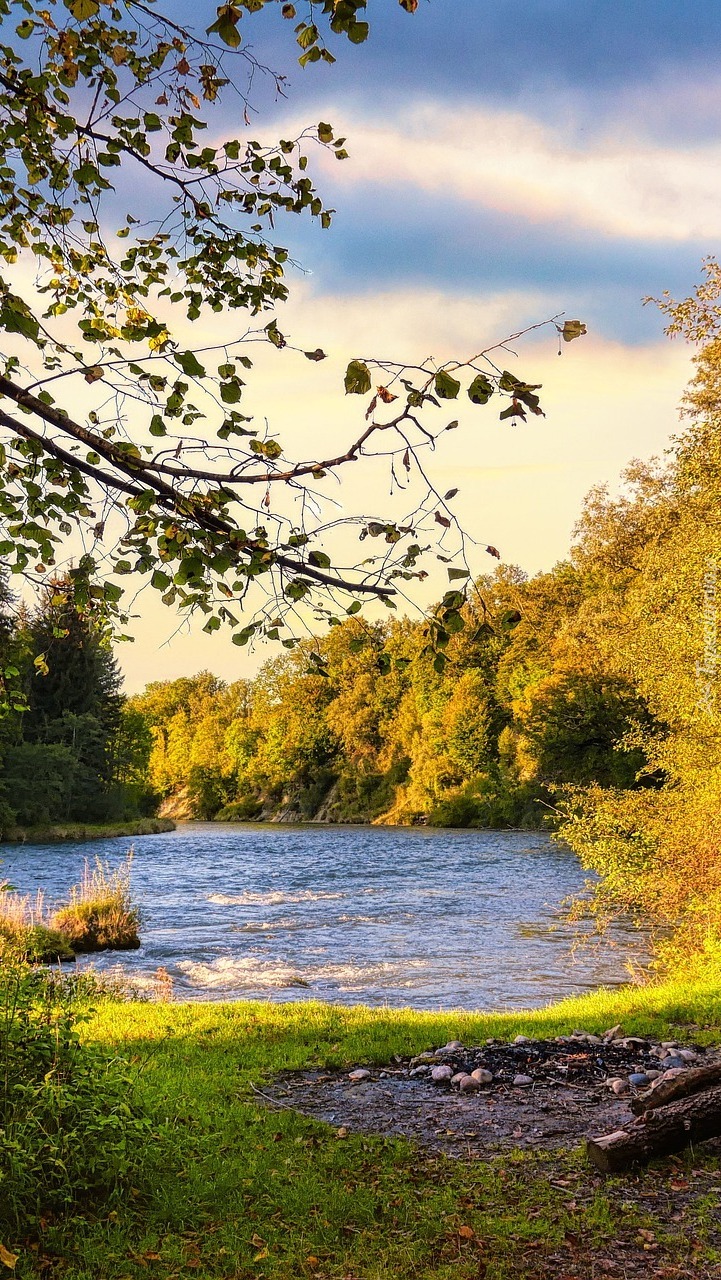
<point x="617" y="1084"/>
<point x="482" y="1076"/>
<point x="639" y="1079"/>
<point x="673" y="1061"/>
<point x="360" y="1074"/>
<point x="687" y="1055"/>
<point x="460" y="1075"/>
<point x="653" y="1075"/>
<point x="613" y="1033"/>
<point x="416" y="1072"/>
<point x="422" y="1058"/>
<point x="521" y="1040"/>
<point x="669" y="1044"/>
<point x="441" y="1074"/>
<point x="468" y="1085"/>
<point x="521" y="1079"/>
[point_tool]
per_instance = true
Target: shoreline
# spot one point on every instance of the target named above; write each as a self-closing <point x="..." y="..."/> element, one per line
<point x="68" y="832"/>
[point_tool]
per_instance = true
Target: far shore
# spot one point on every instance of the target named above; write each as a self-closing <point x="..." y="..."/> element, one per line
<point x="59" y="833"/>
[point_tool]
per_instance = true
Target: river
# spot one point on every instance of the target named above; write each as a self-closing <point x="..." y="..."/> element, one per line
<point x="380" y="915"/>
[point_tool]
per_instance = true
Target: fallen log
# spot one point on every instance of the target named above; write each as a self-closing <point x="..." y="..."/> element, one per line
<point x="659" y="1132"/>
<point x="692" y="1081"/>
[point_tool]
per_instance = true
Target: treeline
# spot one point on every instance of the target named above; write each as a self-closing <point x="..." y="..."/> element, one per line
<point x="70" y="749"/>
<point x="589" y="693"/>
<point x="365" y="724"/>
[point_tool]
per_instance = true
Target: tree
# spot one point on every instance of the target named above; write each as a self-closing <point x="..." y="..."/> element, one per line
<point x="124" y="444"/>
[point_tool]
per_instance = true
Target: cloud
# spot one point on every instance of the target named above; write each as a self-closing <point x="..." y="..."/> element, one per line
<point x="517" y="165"/>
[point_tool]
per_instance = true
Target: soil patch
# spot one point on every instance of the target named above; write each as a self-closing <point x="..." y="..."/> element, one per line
<point x="566" y="1095"/>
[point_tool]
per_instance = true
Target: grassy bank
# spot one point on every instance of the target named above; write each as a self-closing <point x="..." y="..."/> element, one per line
<point x="227" y="1189"/>
<point x="72" y="831"/>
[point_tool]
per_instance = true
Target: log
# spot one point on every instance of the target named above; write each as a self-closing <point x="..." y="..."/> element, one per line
<point x="659" y="1132"/>
<point x="692" y="1081"/>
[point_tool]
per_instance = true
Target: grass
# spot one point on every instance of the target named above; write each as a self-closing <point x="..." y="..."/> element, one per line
<point x="75" y="831"/>
<point x="231" y="1191"/>
<point x="100" y="915"/>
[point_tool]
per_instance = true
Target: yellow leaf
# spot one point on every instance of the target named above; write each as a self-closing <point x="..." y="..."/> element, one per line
<point x="7" y="1258"/>
<point x="260" y="1256"/>
<point x="466" y="1232"/>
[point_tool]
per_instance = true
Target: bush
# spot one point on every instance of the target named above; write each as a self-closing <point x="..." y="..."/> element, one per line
<point x="69" y="1131"/>
<point x="100" y="915"/>
<point x="244" y="810"/>
<point x="23" y="928"/>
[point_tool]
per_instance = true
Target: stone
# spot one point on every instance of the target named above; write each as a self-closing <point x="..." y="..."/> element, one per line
<point x="673" y="1061"/>
<point x="520" y="1079"/>
<point x="653" y="1074"/>
<point x="687" y="1055"/>
<point x="638" y="1079"/>
<point x="634" y="1042"/>
<point x="613" y="1033"/>
<point x="468" y="1085"/>
<point x="482" y="1076"/>
<point x="672" y="1073"/>
<point x="359" y="1074"/>
<point x="422" y="1058"/>
<point x="669" y="1044"/>
<point x="460" y="1075"/>
<point x="617" y="1084"/>
<point x="440" y="1075"/>
<point x="417" y="1072"/>
<point x="521" y="1040"/>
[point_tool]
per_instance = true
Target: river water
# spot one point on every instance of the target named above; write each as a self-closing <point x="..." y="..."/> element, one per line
<point x="378" y="915"/>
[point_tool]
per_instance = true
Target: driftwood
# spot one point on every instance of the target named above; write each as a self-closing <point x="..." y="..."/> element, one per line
<point x="659" y="1132"/>
<point x="682" y="1086"/>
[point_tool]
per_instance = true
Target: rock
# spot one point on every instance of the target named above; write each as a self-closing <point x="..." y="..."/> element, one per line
<point x="634" y="1042"/>
<point x="422" y="1058"/>
<point x="440" y="1075"/>
<point x="672" y="1073"/>
<point x="669" y="1044"/>
<point x="418" y="1071"/>
<point x="638" y="1079"/>
<point x="653" y="1075"/>
<point x="522" y="1080"/>
<point x="613" y="1033"/>
<point x="617" y="1084"/>
<point x="673" y="1061"/>
<point x="522" y="1040"/>
<point x="359" y="1074"/>
<point x="482" y="1076"/>
<point x="468" y="1085"/>
<point x="452" y="1047"/>
<point x="460" y="1075"/>
<point x="687" y="1055"/>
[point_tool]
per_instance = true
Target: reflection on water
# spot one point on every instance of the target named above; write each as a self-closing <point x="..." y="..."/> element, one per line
<point x="397" y="916"/>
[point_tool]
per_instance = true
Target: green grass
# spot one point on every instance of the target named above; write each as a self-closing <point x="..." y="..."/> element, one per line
<point x="59" y="832"/>
<point x="231" y="1190"/>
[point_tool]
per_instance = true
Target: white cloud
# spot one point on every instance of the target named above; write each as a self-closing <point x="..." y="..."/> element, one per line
<point x="509" y="162"/>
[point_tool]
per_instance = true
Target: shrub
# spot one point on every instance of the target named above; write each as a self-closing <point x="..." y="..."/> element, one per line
<point x="69" y="1130"/>
<point x="244" y="810"/>
<point x="100" y="915"/>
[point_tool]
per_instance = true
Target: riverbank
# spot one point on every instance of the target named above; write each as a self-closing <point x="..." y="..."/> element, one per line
<point x="61" y="833"/>
<point x="233" y="1187"/>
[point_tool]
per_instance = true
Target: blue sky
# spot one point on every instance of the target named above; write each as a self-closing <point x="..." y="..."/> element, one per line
<point x="508" y="160"/>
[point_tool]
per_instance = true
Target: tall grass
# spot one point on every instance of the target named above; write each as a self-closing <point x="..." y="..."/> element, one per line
<point x="25" y="929"/>
<point x="100" y="915"/>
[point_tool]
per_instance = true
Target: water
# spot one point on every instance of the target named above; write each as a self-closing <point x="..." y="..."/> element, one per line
<point x="383" y="916"/>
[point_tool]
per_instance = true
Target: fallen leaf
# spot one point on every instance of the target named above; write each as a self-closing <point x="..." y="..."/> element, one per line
<point x="258" y="1241"/>
<point x="7" y="1258"/>
<point x="467" y="1233"/>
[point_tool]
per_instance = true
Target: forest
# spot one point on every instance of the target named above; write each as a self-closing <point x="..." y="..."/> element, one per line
<point x="581" y="699"/>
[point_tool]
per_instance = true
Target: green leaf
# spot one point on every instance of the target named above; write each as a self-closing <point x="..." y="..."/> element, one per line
<point x="480" y="390"/>
<point x="325" y="132"/>
<point x="319" y="559"/>
<point x="447" y="388"/>
<point x="456" y="574"/>
<point x="157" y="426"/>
<point x="357" y="379"/>
<point x="161" y="581"/>
<point x="355" y="607"/>
<point x="82" y="9"/>
<point x="190" y="364"/>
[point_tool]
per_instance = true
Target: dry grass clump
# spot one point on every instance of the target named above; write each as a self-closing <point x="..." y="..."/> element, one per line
<point x="100" y="915"/>
<point x="25" y="930"/>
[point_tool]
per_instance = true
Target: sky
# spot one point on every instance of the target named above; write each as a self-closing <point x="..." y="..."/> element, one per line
<point x="508" y="161"/>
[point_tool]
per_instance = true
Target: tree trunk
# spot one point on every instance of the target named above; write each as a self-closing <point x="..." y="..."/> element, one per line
<point x="692" y="1081"/>
<point x="659" y="1132"/>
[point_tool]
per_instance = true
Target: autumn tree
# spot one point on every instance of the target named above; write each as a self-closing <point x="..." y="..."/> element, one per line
<point x="126" y="449"/>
